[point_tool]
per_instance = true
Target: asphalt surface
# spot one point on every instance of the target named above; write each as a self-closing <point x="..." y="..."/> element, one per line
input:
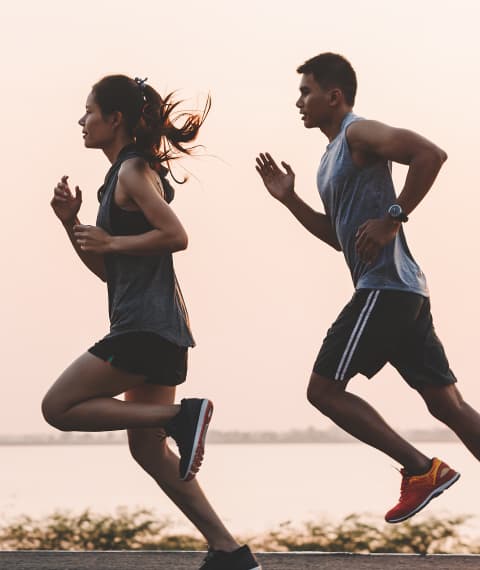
<point x="47" y="560"/>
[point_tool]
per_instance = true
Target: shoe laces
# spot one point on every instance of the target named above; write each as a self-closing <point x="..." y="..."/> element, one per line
<point x="404" y="485"/>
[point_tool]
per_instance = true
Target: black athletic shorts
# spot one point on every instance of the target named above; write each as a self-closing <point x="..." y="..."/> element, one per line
<point x="379" y="326"/>
<point x="145" y="353"/>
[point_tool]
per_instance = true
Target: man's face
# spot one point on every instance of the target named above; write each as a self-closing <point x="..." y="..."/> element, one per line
<point x="314" y="102"/>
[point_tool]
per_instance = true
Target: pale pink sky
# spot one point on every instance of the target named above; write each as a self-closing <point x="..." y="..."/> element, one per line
<point x="261" y="291"/>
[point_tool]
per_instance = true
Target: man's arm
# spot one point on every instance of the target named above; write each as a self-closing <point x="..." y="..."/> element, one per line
<point x="371" y="141"/>
<point x="281" y="186"/>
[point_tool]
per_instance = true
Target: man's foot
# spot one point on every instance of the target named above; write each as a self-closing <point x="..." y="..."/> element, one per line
<point x="418" y="490"/>
<point x="189" y="428"/>
<point x="240" y="559"/>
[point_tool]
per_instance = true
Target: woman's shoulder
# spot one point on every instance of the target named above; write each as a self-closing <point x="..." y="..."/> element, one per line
<point x="136" y="172"/>
<point x="134" y="169"/>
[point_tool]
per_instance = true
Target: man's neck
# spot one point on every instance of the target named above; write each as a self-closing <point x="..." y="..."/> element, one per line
<point x="332" y="128"/>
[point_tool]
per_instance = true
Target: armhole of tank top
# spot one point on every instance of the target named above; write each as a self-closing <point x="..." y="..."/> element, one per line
<point x="113" y="203"/>
<point x="157" y="177"/>
<point x="347" y="145"/>
<point x="159" y="183"/>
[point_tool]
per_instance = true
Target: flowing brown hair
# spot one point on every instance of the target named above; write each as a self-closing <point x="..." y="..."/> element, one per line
<point x="150" y="118"/>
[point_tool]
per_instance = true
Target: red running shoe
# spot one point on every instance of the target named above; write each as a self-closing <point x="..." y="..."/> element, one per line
<point x="418" y="490"/>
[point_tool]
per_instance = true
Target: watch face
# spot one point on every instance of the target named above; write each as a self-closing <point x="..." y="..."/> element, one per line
<point x="395" y="211"/>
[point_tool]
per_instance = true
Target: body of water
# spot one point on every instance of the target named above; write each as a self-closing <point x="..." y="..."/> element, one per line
<point x="253" y="487"/>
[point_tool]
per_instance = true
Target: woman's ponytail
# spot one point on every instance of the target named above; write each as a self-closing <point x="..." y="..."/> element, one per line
<point x="151" y="120"/>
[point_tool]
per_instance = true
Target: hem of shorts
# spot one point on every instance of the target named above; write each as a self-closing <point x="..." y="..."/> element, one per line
<point x="151" y="382"/>
<point x="119" y="366"/>
<point x="417" y="385"/>
<point x="420" y="292"/>
<point x="328" y="376"/>
<point x="114" y="333"/>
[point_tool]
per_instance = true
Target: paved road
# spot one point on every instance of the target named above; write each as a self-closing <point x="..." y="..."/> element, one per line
<point x="191" y="561"/>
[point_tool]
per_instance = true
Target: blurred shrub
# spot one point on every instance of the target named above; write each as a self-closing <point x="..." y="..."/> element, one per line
<point x="362" y="534"/>
<point x="126" y="530"/>
<point x="140" y="529"/>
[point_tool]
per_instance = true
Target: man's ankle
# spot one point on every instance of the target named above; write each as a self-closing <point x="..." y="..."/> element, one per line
<point x="419" y="469"/>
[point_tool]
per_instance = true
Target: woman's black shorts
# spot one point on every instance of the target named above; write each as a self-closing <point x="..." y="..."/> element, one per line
<point x="144" y="353"/>
<point x="379" y="326"/>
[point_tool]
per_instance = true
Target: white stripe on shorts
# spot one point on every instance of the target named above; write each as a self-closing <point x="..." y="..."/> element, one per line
<point x="356" y="334"/>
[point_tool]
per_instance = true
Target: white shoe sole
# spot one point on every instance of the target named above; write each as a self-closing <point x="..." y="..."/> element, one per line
<point x="204" y="417"/>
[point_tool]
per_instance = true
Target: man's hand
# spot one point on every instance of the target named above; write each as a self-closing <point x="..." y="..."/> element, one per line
<point x="373" y="236"/>
<point x="280" y="184"/>
<point x="92" y="238"/>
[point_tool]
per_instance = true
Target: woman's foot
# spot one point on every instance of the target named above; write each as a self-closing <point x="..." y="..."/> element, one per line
<point x="189" y="429"/>
<point x="240" y="559"/>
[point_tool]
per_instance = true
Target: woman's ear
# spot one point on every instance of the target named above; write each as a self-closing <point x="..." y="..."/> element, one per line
<point x="116" y="118"/>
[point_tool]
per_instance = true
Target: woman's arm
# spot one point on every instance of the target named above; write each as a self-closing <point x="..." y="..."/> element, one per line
<point x="136" y="188"/>
<point x="66" y="207"/>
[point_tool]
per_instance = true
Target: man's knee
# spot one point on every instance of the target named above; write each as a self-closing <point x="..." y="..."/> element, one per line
<point x="443" y="402"/>
<point x="323" y="393"/>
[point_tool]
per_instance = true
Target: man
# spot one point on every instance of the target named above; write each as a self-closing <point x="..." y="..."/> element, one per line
<point x="388" y="318"/>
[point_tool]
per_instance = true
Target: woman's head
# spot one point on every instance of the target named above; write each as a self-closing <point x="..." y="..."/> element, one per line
<point x="143" y="116"/>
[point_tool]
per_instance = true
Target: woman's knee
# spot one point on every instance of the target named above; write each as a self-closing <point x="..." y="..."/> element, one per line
<point x="53" y="411"/>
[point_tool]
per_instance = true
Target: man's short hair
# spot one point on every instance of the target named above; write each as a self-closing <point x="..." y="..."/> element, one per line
<point x="332" y="70"/>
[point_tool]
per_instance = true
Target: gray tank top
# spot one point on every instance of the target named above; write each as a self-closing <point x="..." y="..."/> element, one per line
<point x="143" y="292"/>
<point x="353" y="195"/>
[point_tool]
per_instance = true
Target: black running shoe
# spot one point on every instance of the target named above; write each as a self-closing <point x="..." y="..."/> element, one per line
<point x="189" y="428"/>
<point x="240" y="559"/>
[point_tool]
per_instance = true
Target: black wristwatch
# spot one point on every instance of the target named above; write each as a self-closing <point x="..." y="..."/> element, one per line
<point x="396" y="213"/>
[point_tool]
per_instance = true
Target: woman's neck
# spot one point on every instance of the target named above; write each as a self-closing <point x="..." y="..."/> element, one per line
<point x="112" y="151"/>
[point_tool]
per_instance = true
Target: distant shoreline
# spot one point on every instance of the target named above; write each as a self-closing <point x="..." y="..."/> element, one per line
<point x="310" y="435"/>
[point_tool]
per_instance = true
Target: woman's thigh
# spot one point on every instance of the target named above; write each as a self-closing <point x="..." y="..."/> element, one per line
<point x="89" y="377"/>
<point x="151" y="394"/>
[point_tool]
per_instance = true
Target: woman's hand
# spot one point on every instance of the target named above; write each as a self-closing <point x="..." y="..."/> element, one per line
<point x="93" y="239"/>
<point x="64" y="203"/>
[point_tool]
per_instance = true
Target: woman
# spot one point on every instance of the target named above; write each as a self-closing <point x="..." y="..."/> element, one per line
<point x="144" y="355"/>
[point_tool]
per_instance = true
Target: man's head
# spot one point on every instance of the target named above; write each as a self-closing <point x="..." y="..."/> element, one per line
<point x="328" y="84"/>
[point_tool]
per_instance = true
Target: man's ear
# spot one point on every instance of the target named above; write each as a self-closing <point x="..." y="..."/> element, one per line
<point x="335" y="96"/>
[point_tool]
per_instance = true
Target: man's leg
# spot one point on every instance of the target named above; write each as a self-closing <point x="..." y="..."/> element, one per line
<point x="359" y="419"/>
<point x="422" y="479"/>
<point x="447" y="405"/>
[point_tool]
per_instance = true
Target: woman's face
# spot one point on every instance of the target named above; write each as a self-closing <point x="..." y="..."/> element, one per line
<point x="98" y="131"/>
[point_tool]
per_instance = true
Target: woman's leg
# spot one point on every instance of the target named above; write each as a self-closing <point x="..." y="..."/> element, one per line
<point x="82" y="399"/>
<point x="151" y="451"/>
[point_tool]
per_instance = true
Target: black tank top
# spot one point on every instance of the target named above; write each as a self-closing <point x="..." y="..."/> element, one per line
<point x="143" y="291"/>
